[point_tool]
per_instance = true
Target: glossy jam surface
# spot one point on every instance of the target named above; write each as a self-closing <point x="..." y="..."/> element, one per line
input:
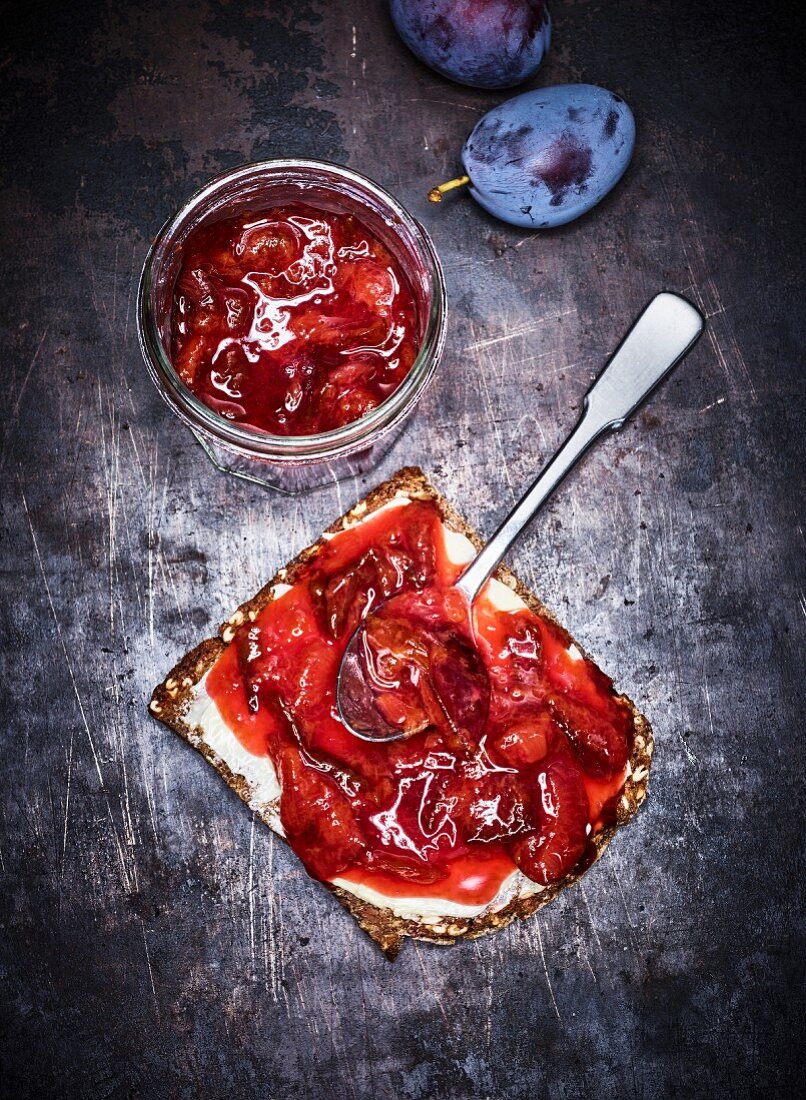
<point x="292" y="320"/>
<point x="522" y="769"/>
<point x="415" y="665"/>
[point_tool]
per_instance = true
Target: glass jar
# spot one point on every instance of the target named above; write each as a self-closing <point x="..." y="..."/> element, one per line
<point x="293" y="463"/>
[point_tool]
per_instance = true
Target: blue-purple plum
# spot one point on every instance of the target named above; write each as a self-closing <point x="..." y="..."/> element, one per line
<point x="546" y="157"/>
<point x="483" y="43"/>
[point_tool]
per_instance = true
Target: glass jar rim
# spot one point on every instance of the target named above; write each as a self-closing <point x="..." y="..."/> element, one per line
<point x="252" y="441"/>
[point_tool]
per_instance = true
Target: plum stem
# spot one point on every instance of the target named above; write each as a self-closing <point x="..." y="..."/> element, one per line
<point x="436" y="193"/>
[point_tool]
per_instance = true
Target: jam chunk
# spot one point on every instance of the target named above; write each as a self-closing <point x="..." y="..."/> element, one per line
<point x="423" y="667"/>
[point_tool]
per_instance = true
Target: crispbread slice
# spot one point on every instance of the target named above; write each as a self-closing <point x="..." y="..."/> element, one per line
<point x="172" y="699"/>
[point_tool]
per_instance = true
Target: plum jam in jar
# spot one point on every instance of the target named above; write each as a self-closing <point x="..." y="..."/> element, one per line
<point x="291" y="314"/>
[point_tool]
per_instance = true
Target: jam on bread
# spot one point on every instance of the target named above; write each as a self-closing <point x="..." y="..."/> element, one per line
<point x="515" y="770"/>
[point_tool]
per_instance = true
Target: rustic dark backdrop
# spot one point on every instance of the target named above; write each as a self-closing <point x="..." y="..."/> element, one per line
<point x="156" y="941"/>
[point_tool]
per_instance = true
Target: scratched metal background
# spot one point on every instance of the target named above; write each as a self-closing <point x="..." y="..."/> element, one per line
<point x="156" y="941"/>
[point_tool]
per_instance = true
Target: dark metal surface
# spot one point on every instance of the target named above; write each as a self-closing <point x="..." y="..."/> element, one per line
<point x="155" y="940"/>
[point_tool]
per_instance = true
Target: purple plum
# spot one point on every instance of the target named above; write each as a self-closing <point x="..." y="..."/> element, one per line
<point x="546" y="157"/>
<point x="483" y="43"/>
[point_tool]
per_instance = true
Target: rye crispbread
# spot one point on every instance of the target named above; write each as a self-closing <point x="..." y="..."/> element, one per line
<point x="171" y="700"/>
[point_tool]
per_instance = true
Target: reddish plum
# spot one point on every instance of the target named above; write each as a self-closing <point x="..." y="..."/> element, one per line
<point x="483" y="43"/>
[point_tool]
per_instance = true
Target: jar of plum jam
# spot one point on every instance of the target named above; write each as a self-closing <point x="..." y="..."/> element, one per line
<point x="291" y="314"/>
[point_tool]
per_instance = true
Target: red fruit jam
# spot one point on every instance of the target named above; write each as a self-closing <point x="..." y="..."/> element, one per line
<point x="292" y="320"/>
<point x="518" y="769"/>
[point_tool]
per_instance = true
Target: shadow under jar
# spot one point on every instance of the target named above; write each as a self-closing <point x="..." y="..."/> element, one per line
<point x="292" y="463"/>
